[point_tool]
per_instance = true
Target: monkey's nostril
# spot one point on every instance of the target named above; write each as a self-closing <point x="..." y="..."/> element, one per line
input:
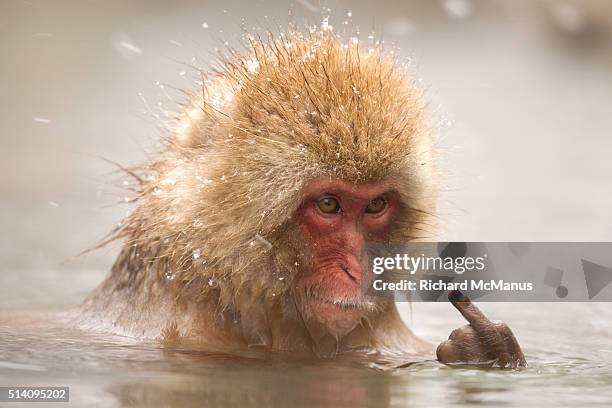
<point x="347" y="270"/>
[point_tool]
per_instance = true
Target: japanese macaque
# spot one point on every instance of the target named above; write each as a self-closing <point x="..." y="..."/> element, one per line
<point x="250" y="228"/>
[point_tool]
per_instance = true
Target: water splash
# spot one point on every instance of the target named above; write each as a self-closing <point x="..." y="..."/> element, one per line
<point x="130" y="47"/>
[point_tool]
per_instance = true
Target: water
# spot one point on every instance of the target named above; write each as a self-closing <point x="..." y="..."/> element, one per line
<point x="568" y="347"/>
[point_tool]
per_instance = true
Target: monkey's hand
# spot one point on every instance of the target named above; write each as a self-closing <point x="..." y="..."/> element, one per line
<point x="482" y="342"/>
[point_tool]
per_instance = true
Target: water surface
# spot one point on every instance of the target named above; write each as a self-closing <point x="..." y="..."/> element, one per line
<point x="568" y="347"/>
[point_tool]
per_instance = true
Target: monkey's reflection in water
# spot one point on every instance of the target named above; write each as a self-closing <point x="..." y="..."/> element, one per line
<point x="242" y="383"/>
<point x="250" y="386"/>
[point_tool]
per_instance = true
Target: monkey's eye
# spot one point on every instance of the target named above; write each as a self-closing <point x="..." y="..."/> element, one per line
<point x="376" y="205"/>
<point x="328" y="205"/>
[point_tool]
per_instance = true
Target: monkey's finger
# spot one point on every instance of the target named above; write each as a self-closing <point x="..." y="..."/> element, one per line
<point x="485" y="328"/>
<point x="469" y="310"/>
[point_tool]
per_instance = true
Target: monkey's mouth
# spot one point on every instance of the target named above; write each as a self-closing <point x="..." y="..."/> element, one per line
<point x="332" y="301"/>
<point x="345" y="304"/>
<point x="335" y="316"/>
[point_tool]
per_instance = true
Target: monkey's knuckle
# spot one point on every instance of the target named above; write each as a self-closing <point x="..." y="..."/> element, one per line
<point x="444" y="345"/>
<point x="444" y="351"/>
<point x="503" y="329"/>
<point x="463" y="334"/>
<point x="455" y="334"/>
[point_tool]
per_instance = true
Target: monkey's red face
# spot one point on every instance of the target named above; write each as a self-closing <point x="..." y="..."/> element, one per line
<point x="336" y="219"/>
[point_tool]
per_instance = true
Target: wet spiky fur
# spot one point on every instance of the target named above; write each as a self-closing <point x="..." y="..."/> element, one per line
<point x="213" y="227"/>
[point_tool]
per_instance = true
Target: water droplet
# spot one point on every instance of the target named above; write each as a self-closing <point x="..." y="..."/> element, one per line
<point x="196" y="254"/>
<point x="253" y="65"/>
<point x="130" y="47"/>
<point x="41" y="120"/>
<point x="325" y="26"/>
<point x="264" y="241"/>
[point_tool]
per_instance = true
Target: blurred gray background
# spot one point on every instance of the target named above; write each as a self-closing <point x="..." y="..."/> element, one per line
<point x="520" y="92"/>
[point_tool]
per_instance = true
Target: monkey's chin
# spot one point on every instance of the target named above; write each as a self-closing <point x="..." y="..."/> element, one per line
<point x="336" y="318"/>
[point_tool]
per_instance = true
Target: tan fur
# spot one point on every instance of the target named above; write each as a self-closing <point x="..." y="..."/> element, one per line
<point x="212" y="239"/>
